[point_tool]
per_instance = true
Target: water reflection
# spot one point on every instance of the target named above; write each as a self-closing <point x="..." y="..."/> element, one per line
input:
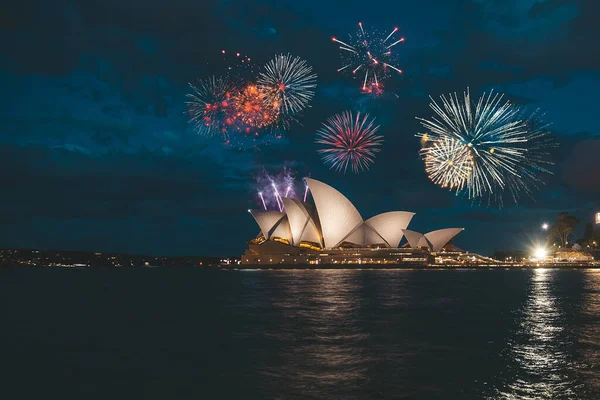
<point x="322" y="343"/>
<point x="412" y="334"/>
<point x="589" y="338"/>
<point x="540" y="364"/>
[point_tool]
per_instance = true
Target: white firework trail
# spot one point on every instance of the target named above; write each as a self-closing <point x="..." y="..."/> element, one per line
<point x="486" y="149"/>
<point x="289" y="83"/>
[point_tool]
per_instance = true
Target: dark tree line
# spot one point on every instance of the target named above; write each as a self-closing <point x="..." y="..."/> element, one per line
<point x="562" y="231"/>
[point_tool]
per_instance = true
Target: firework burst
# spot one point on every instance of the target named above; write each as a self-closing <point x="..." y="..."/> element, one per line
<point x="272" y="188"/>
<point x="351" y="141"/>
<point x="485" y="149"/>
<point x="369" y="55"/>
<point x="210" y="106"/>
<point x="253" y="108"/>
<point x="289" y="83"/>
<point x="237" y="63"/>
<point x="447" y="162"/>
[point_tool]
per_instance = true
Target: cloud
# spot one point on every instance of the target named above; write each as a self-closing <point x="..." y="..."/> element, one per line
<point x="582" y="168"/>
<point x="93" y="135"/>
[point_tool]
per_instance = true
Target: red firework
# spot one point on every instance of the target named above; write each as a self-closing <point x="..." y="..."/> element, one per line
<point x="351" y="141"/>
<point x="210" y="106"/>
<point x="253" y="109"/>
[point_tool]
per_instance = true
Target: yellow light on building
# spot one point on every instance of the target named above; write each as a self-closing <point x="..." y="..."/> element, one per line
<point x="598" y="217"/>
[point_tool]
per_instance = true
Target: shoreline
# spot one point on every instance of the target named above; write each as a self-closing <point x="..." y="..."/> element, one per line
<point x="407" y="267"/>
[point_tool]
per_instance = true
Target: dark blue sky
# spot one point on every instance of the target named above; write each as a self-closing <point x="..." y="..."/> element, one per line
<point x="96" y="152"/>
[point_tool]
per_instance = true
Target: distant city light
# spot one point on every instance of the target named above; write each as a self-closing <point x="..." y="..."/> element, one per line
<point x="545" y="226"/>
<point x="540" y="253"/>
<point x="598" y="217"/>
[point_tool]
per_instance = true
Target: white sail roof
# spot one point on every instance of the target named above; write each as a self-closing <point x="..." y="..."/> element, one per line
<point x="434" y="240"/>
<point x="302" y="226"/>
<point x="334" y="220"/>
<point x="312" y="232"/>
<point x="267" y="220"/>
<point x="365" y="235"/>
<point x="412" y="237"/>
<point x="373" y="237"/>
<point x="389" y="225"/>
<point x="423" y="242"/>
<point x="282" y="230"/>
<point x="357" y="237"/>
<point x="441" y="237"/>
<point x="297" y="218"/>
<point x="337" y="215"/>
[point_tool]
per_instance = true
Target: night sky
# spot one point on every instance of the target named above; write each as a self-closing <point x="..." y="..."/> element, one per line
<point x="96" y="152"/>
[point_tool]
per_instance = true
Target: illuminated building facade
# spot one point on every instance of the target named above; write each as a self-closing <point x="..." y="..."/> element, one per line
<point x="332" y="231"/>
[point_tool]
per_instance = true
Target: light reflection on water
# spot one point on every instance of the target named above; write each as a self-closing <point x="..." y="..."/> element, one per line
<point x="425" y="334"/>
<point x="531" y="334"/>
<point x="536" y="348"/>
<point x="185" y="333"/>
<point x="543" y="361"/>
<point x="589" y="337"/>
<point x="321" y="310"/>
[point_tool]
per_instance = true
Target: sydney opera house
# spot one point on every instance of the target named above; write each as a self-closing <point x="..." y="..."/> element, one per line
<point x="332" y="231"/>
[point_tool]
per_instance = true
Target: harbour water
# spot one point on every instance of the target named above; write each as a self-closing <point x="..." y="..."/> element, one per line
<point x="300" y="334"/>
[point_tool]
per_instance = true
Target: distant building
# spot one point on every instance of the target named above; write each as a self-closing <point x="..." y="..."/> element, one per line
<point x="332" y="231"/>
<point x="572" y="255"/>
<point x="511" y="256"/>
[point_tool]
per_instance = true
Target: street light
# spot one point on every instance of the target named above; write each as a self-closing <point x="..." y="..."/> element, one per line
<point x="545" y="226"/>
<point x="540" y="253"/>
